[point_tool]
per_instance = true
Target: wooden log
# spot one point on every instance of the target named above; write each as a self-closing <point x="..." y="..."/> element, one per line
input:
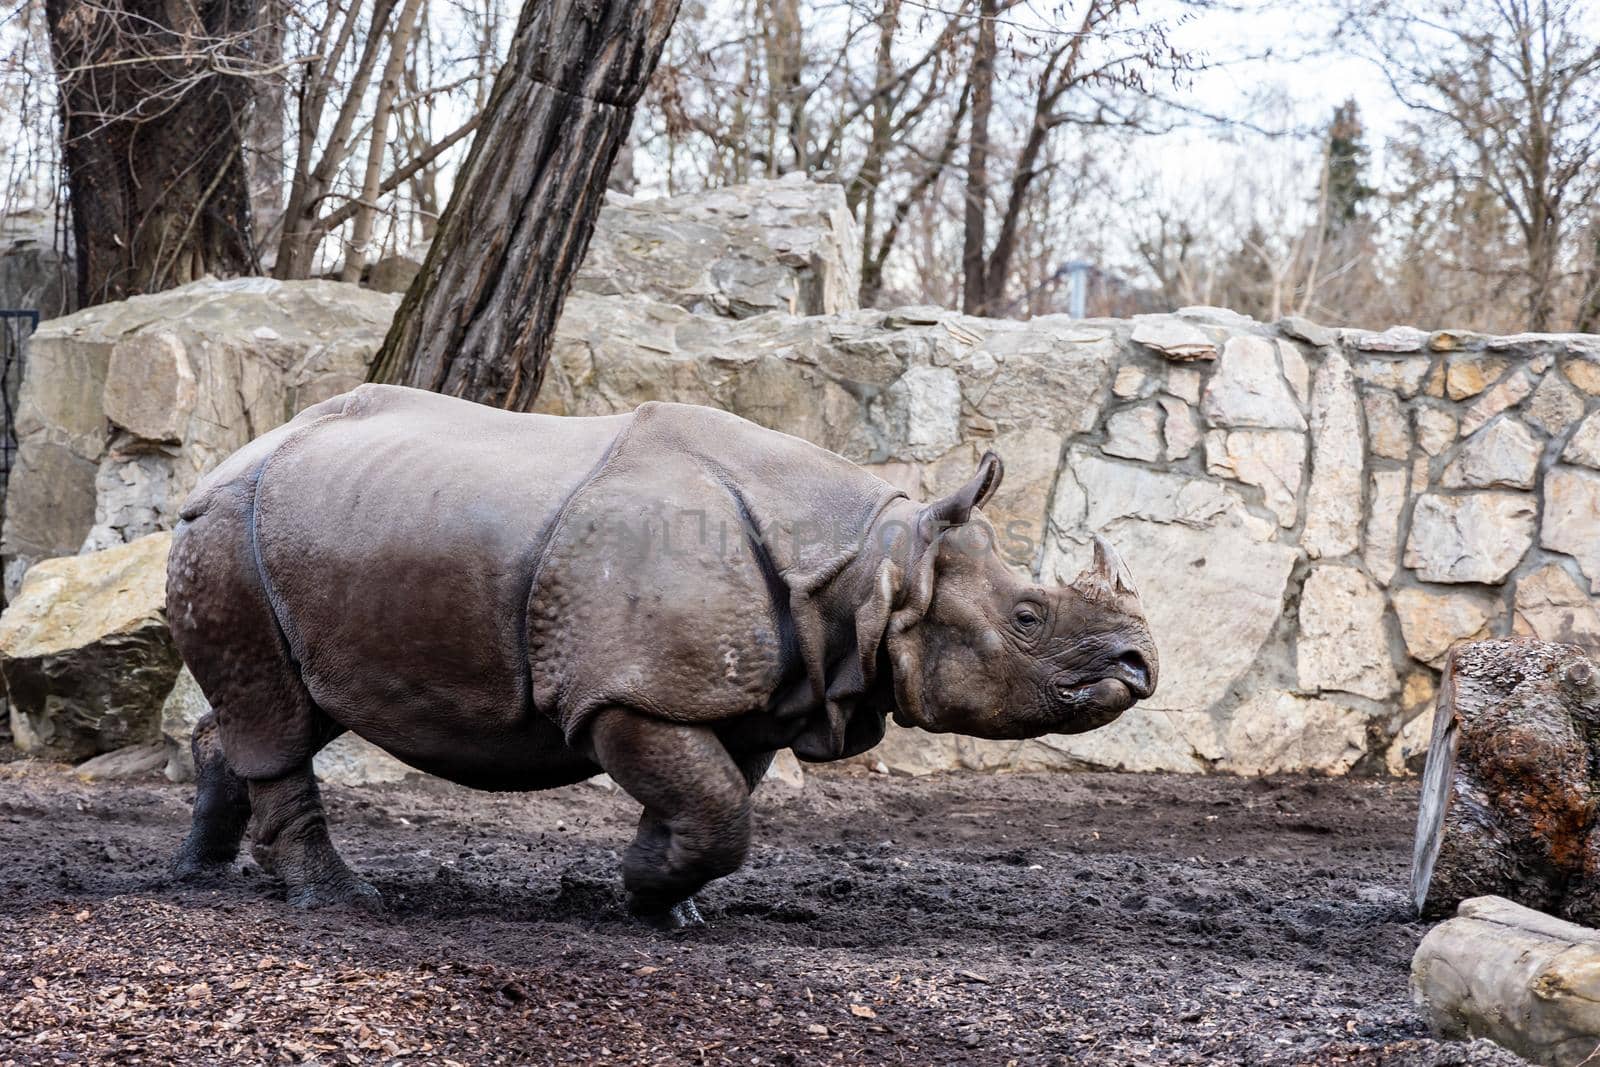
<point x="1518" y="977"/>
<point x="1509" y="790"/>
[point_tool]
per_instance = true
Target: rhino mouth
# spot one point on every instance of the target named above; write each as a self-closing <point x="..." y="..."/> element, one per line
<point x="1095" y="701"/>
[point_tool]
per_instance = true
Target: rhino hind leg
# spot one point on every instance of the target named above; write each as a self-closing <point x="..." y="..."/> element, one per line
<point x="253" y="755"/>
<point x="290" y="840"/>
<point x="696" y="822"/>
<point x="221" y="808"/>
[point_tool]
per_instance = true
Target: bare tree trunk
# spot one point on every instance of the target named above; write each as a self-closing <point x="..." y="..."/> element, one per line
<point x="153" y="131"/>
<point x="784" y="52"/>
<point x="975" y="221"/>
<point x="356" y="253"/>
<point x="303" y="224"/>
<point x="862" y="193"/>
<point x="873" y="259"/>
<point x="998" y="268"/>
<point x="1060" y="74"/>
<point x="622" y="178"/>
<point x="479" y="319"/>
<point x="1588" y="318"/>
<point x="1542" y="251"/>
<point x="424" y="185"/>
<point x="264" y="133"/>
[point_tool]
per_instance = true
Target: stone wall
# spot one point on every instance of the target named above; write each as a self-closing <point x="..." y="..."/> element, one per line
<point x="1313" y="514"/>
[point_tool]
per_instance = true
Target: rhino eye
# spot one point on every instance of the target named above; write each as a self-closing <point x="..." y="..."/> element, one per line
<point x="1027" y="618"/>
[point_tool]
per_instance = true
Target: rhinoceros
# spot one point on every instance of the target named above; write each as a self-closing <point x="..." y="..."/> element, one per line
<point x="669" y="596"/>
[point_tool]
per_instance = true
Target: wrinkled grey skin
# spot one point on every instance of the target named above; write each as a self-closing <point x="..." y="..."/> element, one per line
<point x="670" y="596"/>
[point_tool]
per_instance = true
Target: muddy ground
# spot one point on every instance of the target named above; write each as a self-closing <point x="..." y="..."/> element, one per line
<point x="1101" y="919"/>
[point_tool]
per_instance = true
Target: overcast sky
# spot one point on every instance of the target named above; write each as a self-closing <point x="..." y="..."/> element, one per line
<point x="1258" y="47"/>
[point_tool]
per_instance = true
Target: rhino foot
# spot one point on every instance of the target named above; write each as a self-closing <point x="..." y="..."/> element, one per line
<point x="349" y="893"/>
<point x="192" y="871"/>
<point x="681" y="916"/>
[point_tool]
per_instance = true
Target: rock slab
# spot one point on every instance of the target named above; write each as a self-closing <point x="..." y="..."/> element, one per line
<point x="1475" y="537"/>
<point x="782" y="245"/>
<point x="85" y="651"/>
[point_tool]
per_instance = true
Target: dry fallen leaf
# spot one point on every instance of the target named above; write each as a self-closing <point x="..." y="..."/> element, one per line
<point x="861" y="1011"/>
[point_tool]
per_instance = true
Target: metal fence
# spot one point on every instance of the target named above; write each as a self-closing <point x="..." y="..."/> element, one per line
<point x="15" y="328"/>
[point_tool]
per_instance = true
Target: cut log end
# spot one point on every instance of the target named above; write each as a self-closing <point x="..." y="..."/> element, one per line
<point x="1509" y="792"/>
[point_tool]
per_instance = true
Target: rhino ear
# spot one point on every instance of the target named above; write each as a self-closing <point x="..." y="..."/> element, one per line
<point x="956" y="509"/>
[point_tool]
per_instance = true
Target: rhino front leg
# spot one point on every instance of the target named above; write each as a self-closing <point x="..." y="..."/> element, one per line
<point x="291" y="840"/>
<point x="696" y="823"/>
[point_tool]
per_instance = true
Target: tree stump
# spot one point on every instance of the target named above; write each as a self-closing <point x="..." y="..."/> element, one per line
<point x="1518" y="977"/>
<point x="1509" y="790"/>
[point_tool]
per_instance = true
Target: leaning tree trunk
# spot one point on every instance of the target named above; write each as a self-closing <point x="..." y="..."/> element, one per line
<point x="154" y="99"/>
<point x="479" y="319"/>
<point x="1510" y="790"/>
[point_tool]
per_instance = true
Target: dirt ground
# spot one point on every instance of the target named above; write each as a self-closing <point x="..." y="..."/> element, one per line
<point x="1090" y="918"/>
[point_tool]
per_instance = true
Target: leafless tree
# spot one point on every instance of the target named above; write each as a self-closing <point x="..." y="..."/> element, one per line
<point x="1507" y="96"/>
<point x="29" y="120"/>
<point x="153" y="99"/>
<point x="897" y="101"/>
<point x="153" y="108"/>
<point x="334" y="114"/>
<point x="1101" y="48"/>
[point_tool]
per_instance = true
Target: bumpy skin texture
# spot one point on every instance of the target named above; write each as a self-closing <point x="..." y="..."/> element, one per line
<point x="519" y="601"/>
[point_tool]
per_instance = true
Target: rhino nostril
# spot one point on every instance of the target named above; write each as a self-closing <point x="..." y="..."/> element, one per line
<point x="1137" y="670"/>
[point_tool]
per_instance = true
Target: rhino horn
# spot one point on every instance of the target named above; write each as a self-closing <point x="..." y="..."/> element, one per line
<point x="1106" y="572"/>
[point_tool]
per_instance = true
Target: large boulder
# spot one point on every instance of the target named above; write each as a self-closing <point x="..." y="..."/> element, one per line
<point x="786" y="245"/>
<point x="36" y="270"/>
<point x="85" y="651"/>
<point x="123" y="406"/>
